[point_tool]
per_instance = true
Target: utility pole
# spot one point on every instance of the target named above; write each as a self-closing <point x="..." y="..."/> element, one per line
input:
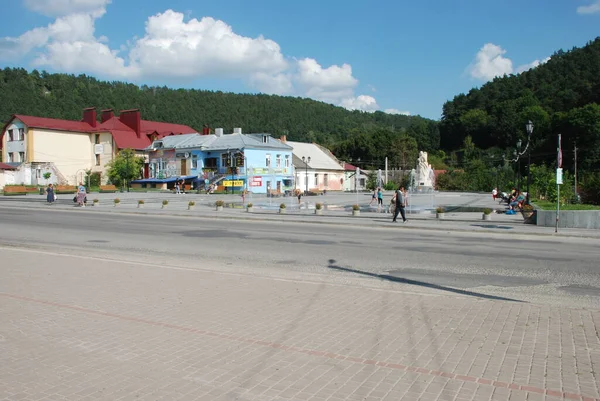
<point x="576" y="196"/>
<point x="386" y="170"/>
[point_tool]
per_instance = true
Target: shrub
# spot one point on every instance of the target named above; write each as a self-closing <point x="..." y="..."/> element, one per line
<point x="282" y="206"/>
<point x="487" y="211"/>
<point x="96" y="201"/>
<point x="117" y="200"/>
<point x="165" y="202"/>
<point x="440" y="209"/>
<point x="219" y="203"/>
<point x="319" y="206"/>
<point x="141" y="202"/>
<point x="47" y="175"/>
<point x="390" y="186"/>
<point x="191" y="203"/>
<point x="355" y="207"/>
<point x="249" y="205"/>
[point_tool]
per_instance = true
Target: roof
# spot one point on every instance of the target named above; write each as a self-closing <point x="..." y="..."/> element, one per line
<point x="320" y="158"/>
<point x="162" y="129"/>
<point x="54" y="123"/>
<point x="4" y="166"/>
<point x="213" y="142"/>
<point x="348" y="166"/>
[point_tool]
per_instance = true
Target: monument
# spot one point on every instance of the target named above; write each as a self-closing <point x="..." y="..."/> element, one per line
<point x="425" y="176"/>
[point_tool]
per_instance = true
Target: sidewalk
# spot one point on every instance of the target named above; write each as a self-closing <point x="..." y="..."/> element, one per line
<point x="463" y="222"/>
<point x="119" y="331"/>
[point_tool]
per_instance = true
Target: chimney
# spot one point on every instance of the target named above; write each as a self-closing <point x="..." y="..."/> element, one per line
<point x="206" y="130"/>
<point x="132" y="119"/>
<point x="283" y="138"/>
<point x="107" y="114"/>
<point x="237" y="130"/>
<point x="89" y="116"/>
<point x="219" y="131"/>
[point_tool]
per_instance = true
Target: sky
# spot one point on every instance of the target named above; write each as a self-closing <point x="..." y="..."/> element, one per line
<point x="403" y="57"/>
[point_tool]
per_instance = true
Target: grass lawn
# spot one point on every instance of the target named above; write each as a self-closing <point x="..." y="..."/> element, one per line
<point x="545" y="205"/>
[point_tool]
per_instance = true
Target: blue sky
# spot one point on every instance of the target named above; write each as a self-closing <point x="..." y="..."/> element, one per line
<point x="396" y="56"/>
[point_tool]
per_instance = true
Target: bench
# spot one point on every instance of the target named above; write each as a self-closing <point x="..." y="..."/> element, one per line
<point x="108" y="188"/>
<point x="65" y="189"/>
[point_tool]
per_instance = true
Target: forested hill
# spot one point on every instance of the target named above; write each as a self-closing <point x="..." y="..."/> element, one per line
<point x="64" y="96"/>
<point x="560" y="96"/>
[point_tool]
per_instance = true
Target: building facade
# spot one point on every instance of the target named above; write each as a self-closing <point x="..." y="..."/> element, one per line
<point x="257" y="163"/>
<point x="317" y="169"/>
<point x="67" y="149"/>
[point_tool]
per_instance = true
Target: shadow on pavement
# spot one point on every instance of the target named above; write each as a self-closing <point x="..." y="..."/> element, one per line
<point x="388" y="277"/>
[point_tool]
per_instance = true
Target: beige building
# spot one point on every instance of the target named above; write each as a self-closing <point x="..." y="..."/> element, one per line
<point x="67" y="149"/>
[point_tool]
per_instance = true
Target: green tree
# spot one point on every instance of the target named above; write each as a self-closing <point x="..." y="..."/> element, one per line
<point x="126" y="166"/>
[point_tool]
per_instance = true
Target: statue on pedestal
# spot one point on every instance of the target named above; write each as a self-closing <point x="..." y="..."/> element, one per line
<point x="425" y="176"/>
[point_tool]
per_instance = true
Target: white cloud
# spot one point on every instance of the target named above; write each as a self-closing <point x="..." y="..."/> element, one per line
<point x="66" y="7"/>
<point x="589" y="9"/>
<point x="490" y="63"/>
<point x="362" y="102"/>
<point x="396" y="111"/>
<point x="176" y="47"/>
<point x="531" y="65"/>
<point x="206" y="47"/>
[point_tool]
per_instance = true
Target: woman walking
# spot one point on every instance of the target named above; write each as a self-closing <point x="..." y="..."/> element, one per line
<point x="81" y="195"/>
<point x="50" y="197"/>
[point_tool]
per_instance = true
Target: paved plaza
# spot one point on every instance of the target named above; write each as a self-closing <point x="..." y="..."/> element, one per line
<point x="105" y="304"/>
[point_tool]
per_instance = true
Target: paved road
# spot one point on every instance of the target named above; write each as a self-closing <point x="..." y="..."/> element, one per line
<point x="100" y="306"/>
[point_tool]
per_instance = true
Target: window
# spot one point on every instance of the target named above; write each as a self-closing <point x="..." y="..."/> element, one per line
<point x="97" y="139"/>
<point x="287" y="161"/>
<point x="210" y="162"/>
<point x="325" y="179"/>
<point x="316" y="180"/>
<point x="97" y="160"/>
<point x="194" y="161"/>
<point x="11" y="157"/>
<point x="21" y="134"/>
<point x="278" y="161"/>
<point x="268" y="160"/>
<point x="21" y="156"/>
<point x="265" y="138"/>
<point x="225" y="160"/>
<point x="10" y="135"/>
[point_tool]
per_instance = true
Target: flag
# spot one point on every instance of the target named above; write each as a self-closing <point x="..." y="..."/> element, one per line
<point x="559" y="152"/>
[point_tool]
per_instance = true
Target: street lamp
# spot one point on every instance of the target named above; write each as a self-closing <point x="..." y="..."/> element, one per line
<point x="529" y="128"/>
<point x="519" y="165"/>
<point x="306" y="161"/>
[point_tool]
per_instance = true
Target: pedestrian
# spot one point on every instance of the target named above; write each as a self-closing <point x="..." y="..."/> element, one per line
<point x="244" y="197"/>
<point x="81" y="195"/>
<point x="50" y="197"/>
<point x="494" y="193"/>
<point x="177" y="188"/>
<point x="380" y="207"/>
<point x="373" y="197"/>
<point x="400" y="199"/>
<point x="299" y="196"/>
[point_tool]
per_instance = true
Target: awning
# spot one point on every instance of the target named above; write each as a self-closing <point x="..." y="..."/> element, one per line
<point x="164" y="180"/>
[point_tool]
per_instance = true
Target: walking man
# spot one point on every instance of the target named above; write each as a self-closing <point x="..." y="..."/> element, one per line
<point x="400" y="204"/>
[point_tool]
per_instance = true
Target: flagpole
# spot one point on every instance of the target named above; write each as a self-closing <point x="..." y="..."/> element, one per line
<point x="558" y="167"/>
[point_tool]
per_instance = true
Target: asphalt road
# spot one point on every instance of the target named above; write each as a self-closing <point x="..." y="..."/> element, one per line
<point x="557" y="271"/>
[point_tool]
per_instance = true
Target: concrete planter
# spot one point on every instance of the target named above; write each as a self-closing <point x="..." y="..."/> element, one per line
<point x="190" y="207"/>
<point x="164" y="207"/>
<point x="281" y="211"/>
<point x="356" y="213"/>
<point x="219" y="208"/>
<point x="440" y="216"/>
<point x="117" y="204"/>
<point x="486" y="217"/>
<point x="589" y="219"/>
<point x="319" y="212"/>
<point x="249" y="209"/>
<point x="140" y="205"/>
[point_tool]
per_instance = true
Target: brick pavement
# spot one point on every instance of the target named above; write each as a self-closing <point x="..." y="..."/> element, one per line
<point x="83" y="329"/>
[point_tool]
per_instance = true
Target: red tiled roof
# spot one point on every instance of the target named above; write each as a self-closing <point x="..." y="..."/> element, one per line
<point x="54" y="123"/>
<point x="124" y="136"/>
<point x="349" y="167"/>
<point x="4" y="166"/>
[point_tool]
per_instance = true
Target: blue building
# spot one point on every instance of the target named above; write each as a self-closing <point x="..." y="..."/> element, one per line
<point x="258" y="163"/>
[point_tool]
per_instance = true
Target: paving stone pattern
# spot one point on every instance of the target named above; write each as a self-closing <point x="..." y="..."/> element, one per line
<point x="101" y="330"/>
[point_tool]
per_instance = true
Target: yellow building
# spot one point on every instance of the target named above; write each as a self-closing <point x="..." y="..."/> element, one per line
<point x="67" y="149"/>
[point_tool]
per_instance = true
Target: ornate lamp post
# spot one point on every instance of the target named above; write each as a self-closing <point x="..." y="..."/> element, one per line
<point x="529" y="127"/>
<point x="306" y="161"/>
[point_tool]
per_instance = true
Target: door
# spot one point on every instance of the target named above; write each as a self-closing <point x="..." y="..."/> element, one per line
<point x="278" y="187"/>
<point x="183" y="167"/>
